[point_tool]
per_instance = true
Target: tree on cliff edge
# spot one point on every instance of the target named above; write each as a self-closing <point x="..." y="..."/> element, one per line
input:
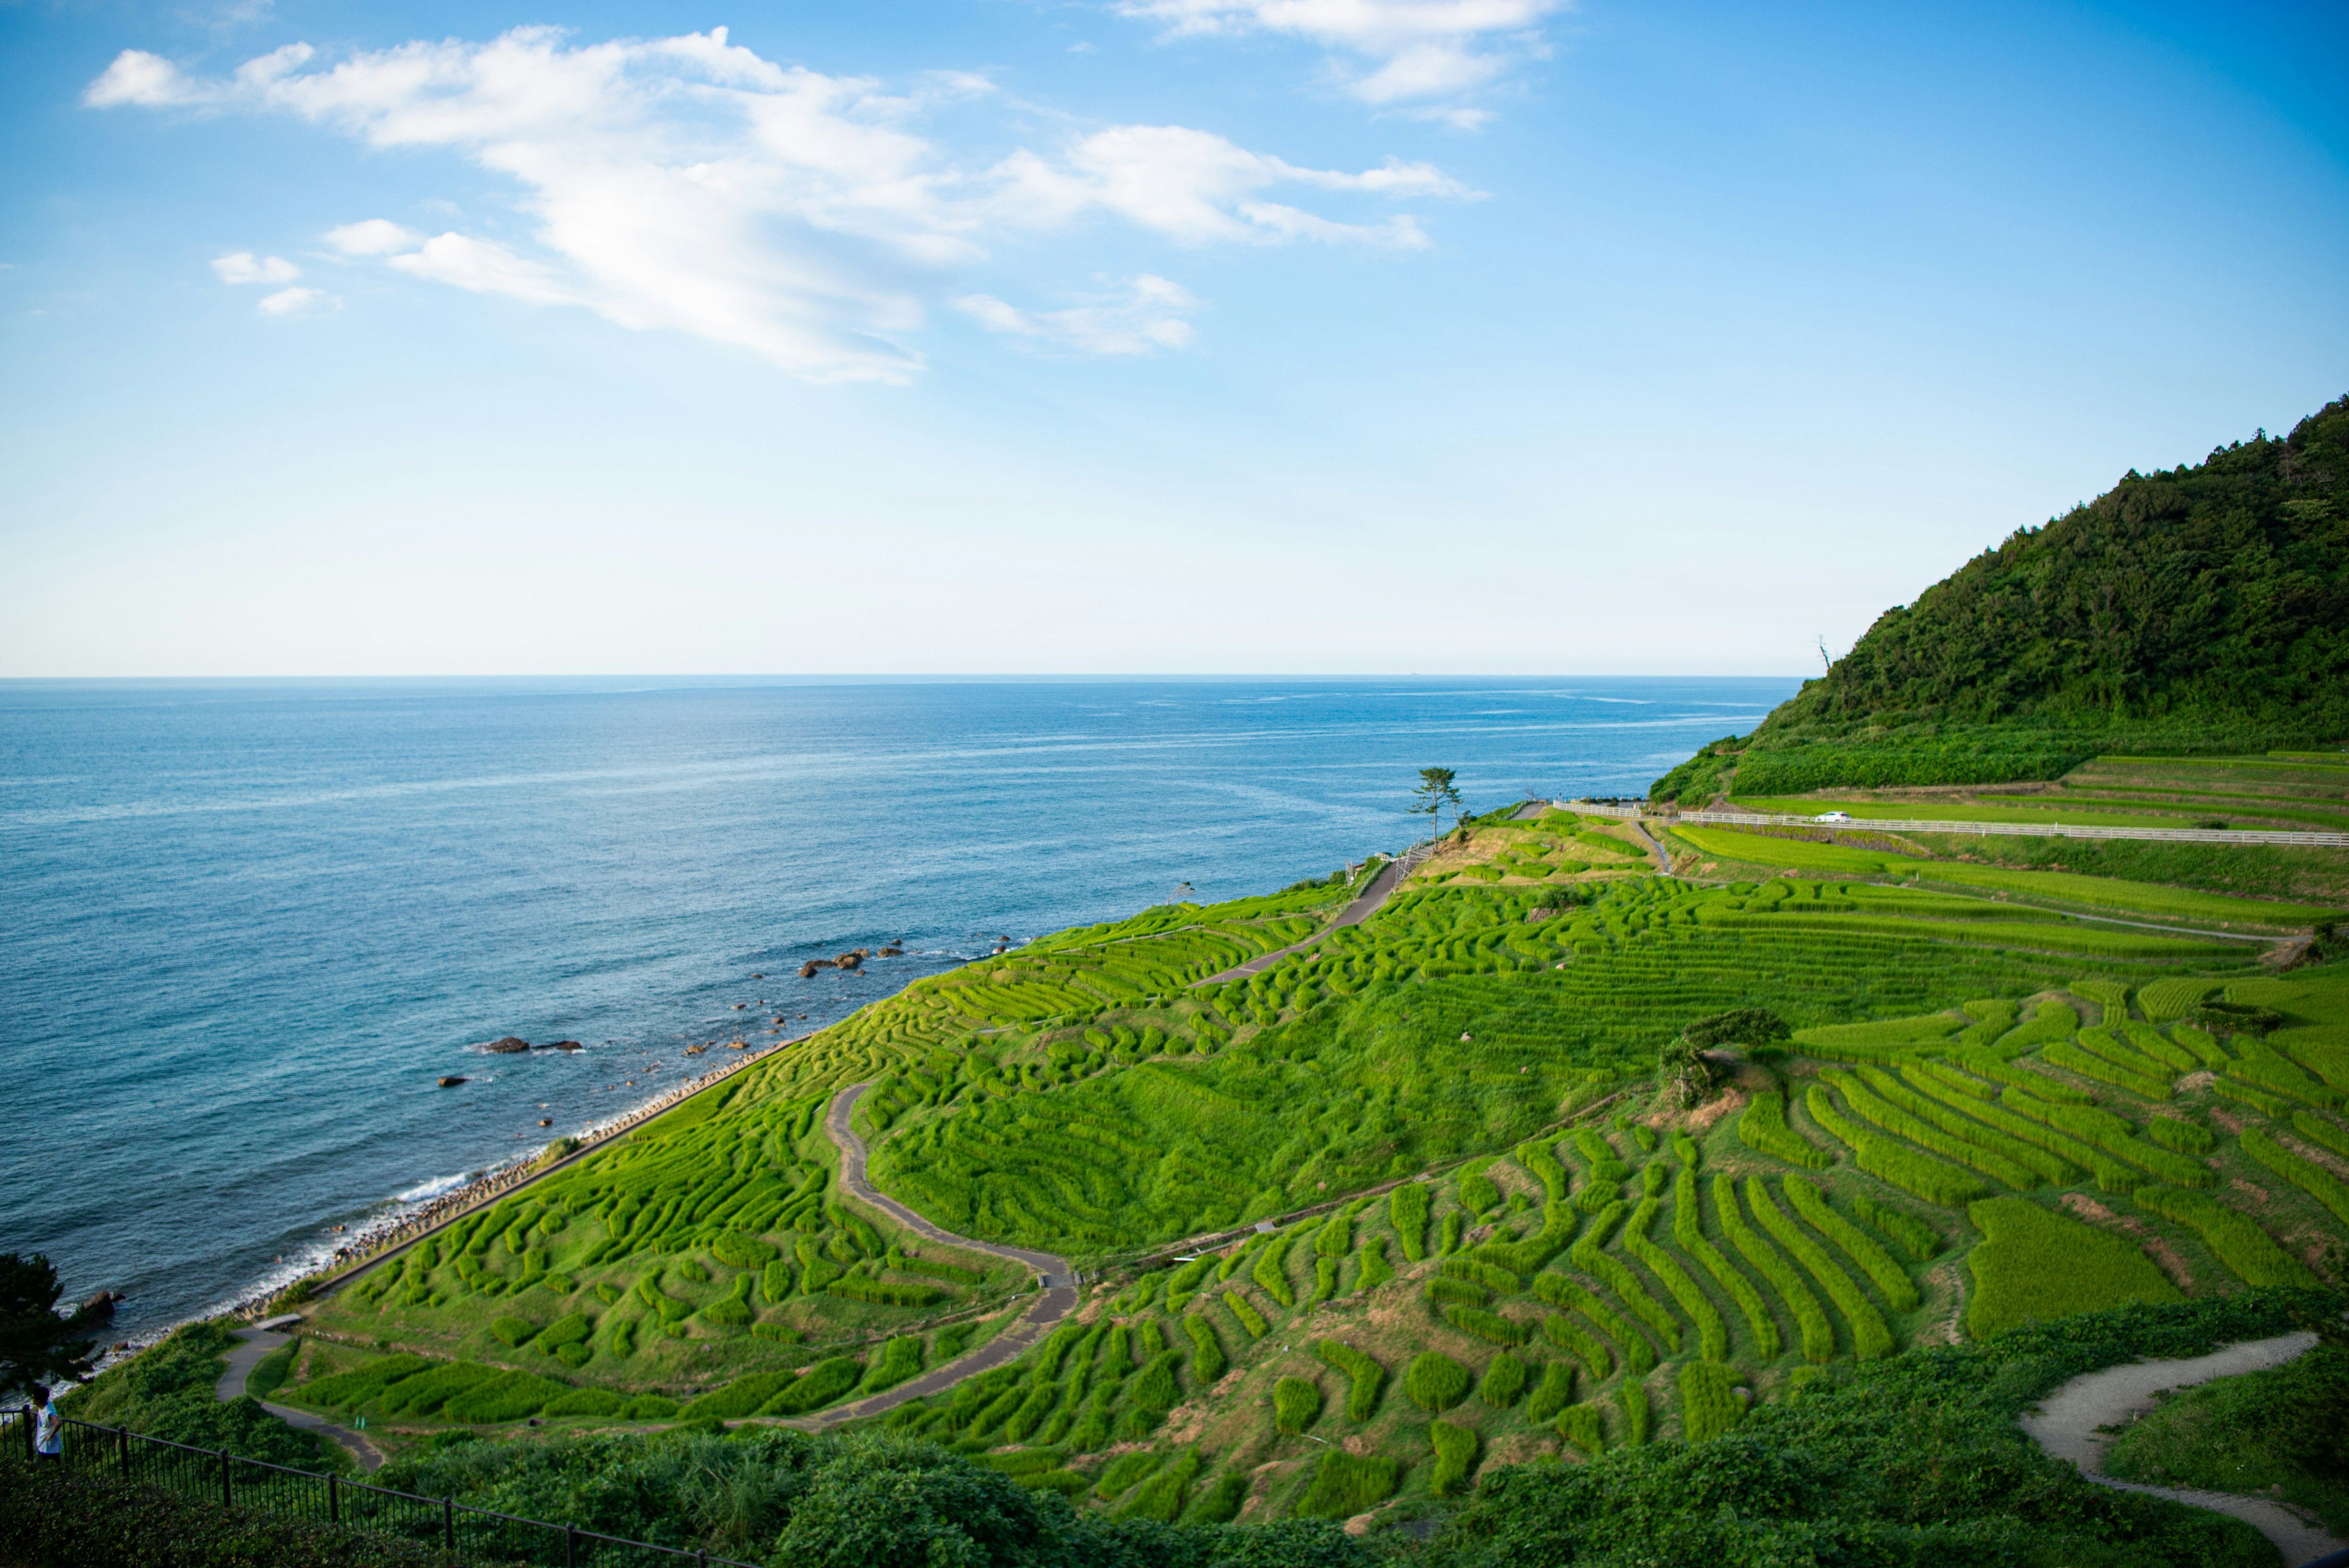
<point x="37" y="1345"/>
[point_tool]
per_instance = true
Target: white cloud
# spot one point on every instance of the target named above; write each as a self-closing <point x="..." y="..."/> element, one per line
<point x="292" y="301"/>
<point x="1147" y="317"/>
<point x="243" y="267"/>
<point x="1418" y="50"/>
<point x="689" y="184"/>
<point x="371" y="238"/>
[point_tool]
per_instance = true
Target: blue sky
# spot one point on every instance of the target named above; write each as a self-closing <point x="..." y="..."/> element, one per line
<point x="1300" y="336"/>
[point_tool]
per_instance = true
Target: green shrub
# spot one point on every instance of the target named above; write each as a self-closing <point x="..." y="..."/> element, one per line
<point x="1552" y="1393"/>
<point x="900" y="1359"/>
<point x="1709" y="1402"/>
<point x="1245" y="1310"/>
<point x="651" y="1407"/>
<point x="1366" y="1377"/>
<point x="1921" y="1241"/>
<point x="1155" y="1390"/>
<point x="1161" y="1497"/>
<point x="1220" y="1503"/>
<point x="508" y="1396"/>
<point x="884" y="1293"/>
<point x="1124" y="1470"/>
<point x="1435" y="1382"/>
<point x="1346" y="1484"/>
<point x="1443" y="1289"/>
<point x="1478" y="1192"/>
<point x="1296" y="1403"/>
<point x="1207" y="1361"/>
<point x="2238" y="1241"/>
<point x="743" y="1396"/>
<point x="585" y="1402"/>
<point x="1584" y="1426"/>
<point x="1486" y="1325"/>
<point x="1407" y="1211"/>
<point x="731" y="1309"/>
<point x="1763" y="1128"/>
<point x="1374" y="1268"/>
<point x="513" y="1331"/>
<point x="737" y="1251"/>
<point x="817" y="1388"/>
<point x="2309" y="1176"/>
<point x="1870" y="1335"/>
<point x="1633" y="1397"/>
<point x="2177" y="1133"/>
<point x="1503" y="1382"/>
<point x="1455" y="1455"/>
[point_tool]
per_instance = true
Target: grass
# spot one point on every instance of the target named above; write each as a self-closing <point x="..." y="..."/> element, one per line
<point x="2034" y="1265"/>
<point x="2275" y="1432"/>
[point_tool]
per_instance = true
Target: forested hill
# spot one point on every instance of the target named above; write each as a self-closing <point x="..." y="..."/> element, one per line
<point x="2193" y="610"/>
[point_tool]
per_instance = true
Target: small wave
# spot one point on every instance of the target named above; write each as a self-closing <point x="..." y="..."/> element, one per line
<point x="425" y="1191"/>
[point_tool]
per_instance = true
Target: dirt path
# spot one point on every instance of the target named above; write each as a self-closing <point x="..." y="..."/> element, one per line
<point x="1058" y="1299"/>
<point x="252" y="1345"/>
<point x="2067" y="1421"/>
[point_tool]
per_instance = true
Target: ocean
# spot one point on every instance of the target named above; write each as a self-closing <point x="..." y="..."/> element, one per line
<point x="249" y="926"/>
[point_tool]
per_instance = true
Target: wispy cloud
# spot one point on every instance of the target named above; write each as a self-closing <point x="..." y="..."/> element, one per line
<point x="686" y="184"/>
<point x="1421" y="55"/>
<point x="294" y="302"/>
<point x="244" y="267"/>
<point x="1146" y="315"/>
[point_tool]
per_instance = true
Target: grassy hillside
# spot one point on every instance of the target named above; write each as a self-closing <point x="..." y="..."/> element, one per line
<point x="2198" y="609"/>
<point x="1490" y="1237"/>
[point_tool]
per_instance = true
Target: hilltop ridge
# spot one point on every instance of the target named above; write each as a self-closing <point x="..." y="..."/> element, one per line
<point x="2195" y="609"/>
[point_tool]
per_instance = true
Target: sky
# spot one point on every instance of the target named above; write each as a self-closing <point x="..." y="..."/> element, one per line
<point x="1377" y="336"/>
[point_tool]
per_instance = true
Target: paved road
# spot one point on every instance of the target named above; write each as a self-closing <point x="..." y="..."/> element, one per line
<point x="1058" y="1300"/>
<point x="2067" y="1421"/>
<point x="1366" y="904"/>
<point x="255" y="1343"/>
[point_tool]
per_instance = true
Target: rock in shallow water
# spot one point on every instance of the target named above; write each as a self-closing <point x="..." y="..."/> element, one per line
<point x="507" y="1046"/>
<point x="451" y="1081"/>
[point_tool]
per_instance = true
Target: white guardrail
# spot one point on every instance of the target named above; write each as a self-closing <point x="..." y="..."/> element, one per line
<point x="2017" y="829"/>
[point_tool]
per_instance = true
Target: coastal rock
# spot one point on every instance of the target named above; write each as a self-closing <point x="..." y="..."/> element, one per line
<point x="850" y="961"/>
<point x="561" y="1046"/>
<point x="99" y="1308"/>
<point x="695" y="1050"/>
<point x="808" y="968"/>
<point x="758" y="977"/>
<point x="507" y="1046"/>
<point x="740" y="1005"/>
<point x="451" y="1081"/>
<point x="547" y="1121"/>
<point x="893" y="950"/>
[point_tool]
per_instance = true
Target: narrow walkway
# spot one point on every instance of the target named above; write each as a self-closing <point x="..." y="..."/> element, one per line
<point x="2068" y="1421"/>
<point x="1366" y="904"/>
<point x="1059" y="1298"/>
<point x="252" y="1345"/>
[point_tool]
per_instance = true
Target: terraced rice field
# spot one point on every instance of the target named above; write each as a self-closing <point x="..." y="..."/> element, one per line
<point x="1489" y="1238"/>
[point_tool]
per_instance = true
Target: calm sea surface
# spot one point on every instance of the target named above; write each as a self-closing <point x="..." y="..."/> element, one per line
<point x="248" y="925"/>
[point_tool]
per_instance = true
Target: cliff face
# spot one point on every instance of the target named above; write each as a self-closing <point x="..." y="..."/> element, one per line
<point x="2195" y="609"/>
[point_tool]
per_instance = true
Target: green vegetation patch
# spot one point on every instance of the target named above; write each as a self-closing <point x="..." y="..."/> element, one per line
<point x="2035" y="1265"/>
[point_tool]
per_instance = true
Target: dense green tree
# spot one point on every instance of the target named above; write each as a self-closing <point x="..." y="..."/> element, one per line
<point x="36" y="1343"/>
<point x="2198" y="608"/>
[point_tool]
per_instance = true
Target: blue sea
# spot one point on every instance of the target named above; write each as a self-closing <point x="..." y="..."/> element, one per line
<point x="249" y="925"/>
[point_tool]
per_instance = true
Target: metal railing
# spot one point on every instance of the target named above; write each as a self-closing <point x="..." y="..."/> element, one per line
<point x="467" y="1534"/>
<point x="2009" y="829"/>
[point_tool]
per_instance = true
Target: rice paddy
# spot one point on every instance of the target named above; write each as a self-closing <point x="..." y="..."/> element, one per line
<point x="1490" y="1238"/>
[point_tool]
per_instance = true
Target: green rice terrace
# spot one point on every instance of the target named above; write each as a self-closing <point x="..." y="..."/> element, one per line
<point x="1416" y="1204"/>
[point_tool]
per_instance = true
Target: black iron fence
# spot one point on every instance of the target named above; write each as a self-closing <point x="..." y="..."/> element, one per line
<point x="466" y="1533"/>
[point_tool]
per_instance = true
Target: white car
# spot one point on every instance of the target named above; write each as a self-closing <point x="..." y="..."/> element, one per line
<point x="1833" y="817"/>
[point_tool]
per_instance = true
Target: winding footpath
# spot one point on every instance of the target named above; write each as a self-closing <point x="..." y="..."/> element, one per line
<point x="2068" y="1424"/>
<point x="1366" y="904"/>
<point x="253" y="1344"/>
<point x="1058" y="1299"/>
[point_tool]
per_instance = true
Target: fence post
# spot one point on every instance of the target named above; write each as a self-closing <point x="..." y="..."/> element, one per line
<point x="448" y="1522"/>
<point x="228" y="1495"/>
<point x="334" y="1499"/>
<point x="570" y="1546"/>
<point x="122" y="1449"/>
<point x="25" y="1425"/>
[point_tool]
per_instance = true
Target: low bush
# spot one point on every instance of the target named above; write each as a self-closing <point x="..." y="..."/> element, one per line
<point x="1245" y="1310"/>
<point x="508" y="1396"/>
<point x="884" y="1293"/>
<point x="1124" y="1472"/>
<point x="1552" y="1393"/>
<point x="1207" y="1361"/>
<point x="1584" y="1426"/>
<point x="585" y="1402"/>
<point x="1455" y="1455"/>
<point x="741" y="1397"/>
<point x="1763" y="1128"/>
<point x="1296" y="1403"/>
<point x="1633" y="1398"/>
<point x="1161" y="1497"/>
<point x="1490" y="1326"/>
<point x="1407" y="1209"/>
<point x="513" y="1331"/>
<point x="900" y="1359"/>
<point x="1709" y="1401"/>
<point x="1435" y="1382"/>
<point x="1346" y="1484"/>
<point x="1503" y="1382"/>
<point x="817" y="1388"/>
<point x="1365" y="1376"/>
